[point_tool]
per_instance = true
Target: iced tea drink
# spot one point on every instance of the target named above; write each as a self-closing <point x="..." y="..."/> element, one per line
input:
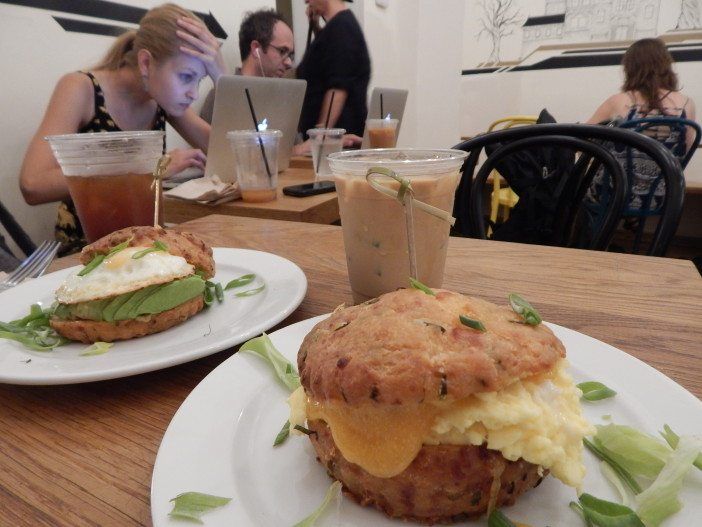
<point x="109" y="176"/>
<point x="108" y="203"/>
<point x="324" y="141"/>
<point x="375" y="234"/>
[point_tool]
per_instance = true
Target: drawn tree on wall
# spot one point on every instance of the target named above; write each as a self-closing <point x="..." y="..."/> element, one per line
<point x="689" y="15"/>
<point x="497" y="21"/>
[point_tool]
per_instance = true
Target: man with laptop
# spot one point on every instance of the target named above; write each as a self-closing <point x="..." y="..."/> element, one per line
<point x="267" y="49"/>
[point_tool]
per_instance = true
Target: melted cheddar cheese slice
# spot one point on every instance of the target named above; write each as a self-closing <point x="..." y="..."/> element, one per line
<point x="537" y="419"/>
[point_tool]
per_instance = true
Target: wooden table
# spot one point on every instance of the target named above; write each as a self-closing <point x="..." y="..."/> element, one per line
<point x="83" y="454"/>
<point x="322" y="208"/>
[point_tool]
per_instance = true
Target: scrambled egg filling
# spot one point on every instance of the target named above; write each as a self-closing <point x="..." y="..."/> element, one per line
<point x="537" y="419"/>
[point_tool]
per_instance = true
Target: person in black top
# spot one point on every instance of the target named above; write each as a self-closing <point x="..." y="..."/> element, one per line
<point x="336" y="61"/>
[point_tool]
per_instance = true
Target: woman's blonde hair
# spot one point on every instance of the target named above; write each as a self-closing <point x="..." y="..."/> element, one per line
<point x="156" y="33"/>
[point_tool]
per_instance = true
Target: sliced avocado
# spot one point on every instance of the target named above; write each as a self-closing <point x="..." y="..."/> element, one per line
<point x="123" y="313"/>
<point x="169" y="296"/>
<point x="88" y="310"/>
<point x="113" y="306"/>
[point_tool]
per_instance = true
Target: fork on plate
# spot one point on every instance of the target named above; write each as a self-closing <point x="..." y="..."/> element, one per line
<point x="33" y="266"/>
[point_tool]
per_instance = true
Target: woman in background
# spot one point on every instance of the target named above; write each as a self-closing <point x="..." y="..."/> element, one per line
<point x="650" y="89"/>
<point x="148" y="76"/>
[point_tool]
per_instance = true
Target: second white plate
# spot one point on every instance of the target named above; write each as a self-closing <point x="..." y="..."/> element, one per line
<point x="221" y="326"/>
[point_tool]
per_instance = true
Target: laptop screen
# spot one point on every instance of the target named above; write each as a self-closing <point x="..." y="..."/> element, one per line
<point x="277" y="104"/>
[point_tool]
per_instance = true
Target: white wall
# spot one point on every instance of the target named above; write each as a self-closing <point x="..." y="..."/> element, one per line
<point x="36" y="51"/>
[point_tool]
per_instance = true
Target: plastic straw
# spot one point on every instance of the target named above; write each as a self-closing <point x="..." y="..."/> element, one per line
<point x="260" y="141"/>
<point x="326" y="127"/>
<point x="381" y="105"/>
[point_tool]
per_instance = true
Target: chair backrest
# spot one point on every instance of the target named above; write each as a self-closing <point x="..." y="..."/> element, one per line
<point x="470" y="222"/>
<point x="16" y="232"/>
<point x="671" y="131"/>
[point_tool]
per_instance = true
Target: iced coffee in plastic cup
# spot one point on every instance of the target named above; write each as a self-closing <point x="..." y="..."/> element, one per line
<point x="109" y="177"/>
<point x="382" y="133"/>
<point x="374" y="226"/>
<point x="256" y="161"/>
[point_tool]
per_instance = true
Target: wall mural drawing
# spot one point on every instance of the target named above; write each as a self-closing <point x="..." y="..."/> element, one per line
<point x="497" y="21"/>
<point x="551" y="34"/>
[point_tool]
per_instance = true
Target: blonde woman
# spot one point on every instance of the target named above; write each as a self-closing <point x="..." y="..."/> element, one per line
<point x="148" y="76"/>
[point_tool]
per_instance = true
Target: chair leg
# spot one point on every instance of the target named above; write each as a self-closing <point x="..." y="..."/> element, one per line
<point x="639" y="234"/>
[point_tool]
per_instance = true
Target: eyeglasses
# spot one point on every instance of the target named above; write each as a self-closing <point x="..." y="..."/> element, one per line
<point x="284" y="52"/>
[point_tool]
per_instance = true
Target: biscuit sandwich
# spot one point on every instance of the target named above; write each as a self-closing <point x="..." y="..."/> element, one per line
<point x="437" y="407"/>
<point x="135" y="281"/>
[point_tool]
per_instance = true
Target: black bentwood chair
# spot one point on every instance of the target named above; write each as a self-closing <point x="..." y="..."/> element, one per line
<point x="551" y="168"/>
<point x="16" y="232"/>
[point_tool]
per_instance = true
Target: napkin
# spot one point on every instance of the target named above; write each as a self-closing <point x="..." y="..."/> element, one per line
<point x="206" y="190"/>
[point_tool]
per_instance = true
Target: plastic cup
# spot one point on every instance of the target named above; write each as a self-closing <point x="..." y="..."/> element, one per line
<point x="382" y="132"/>
<point x="109" y="177"/>
<point x="325" y="141"/>
<point x="256" y="162"/>
<point x="373" y="224"/>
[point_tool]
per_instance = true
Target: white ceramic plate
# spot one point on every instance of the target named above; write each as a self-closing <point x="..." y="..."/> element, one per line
<point x="220" y="442"/>
<point x="214" y="329"/>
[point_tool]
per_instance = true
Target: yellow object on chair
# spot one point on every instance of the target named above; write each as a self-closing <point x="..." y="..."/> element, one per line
<point x="504" y="196"/>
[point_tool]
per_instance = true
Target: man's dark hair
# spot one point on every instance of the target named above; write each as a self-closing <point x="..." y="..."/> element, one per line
<point x="257" y="25"/>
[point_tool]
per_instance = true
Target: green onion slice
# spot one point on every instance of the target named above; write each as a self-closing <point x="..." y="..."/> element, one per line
<point x="251" y="292"/>
<point x="157" y="246"/>
<point x="607" y="514"/>
<point x="240" y="282"/>
<point x="524" y="309"/>
<point x="97" y="348"/>
<point x="219" y="293"/>
<point x="333" y="492"/>
<point x="192" y="505"/>
<point x="97" y="260"/>
<point x="283" y="368"/>
<point x="416" y="284"/>
<point x="472" y="323"/>
<point x="595" y="391"/>
<point x="498" y="519"/>
<point x="283" y="434"/>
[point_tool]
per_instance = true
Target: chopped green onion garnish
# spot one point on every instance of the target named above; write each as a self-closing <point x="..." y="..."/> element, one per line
<point x="472" y="323"/>
<point x="623" y="474"/>
<point x="284" y="370"/>
<point x="498" y="519"/>
<point x="333" y="492"/>
<point x="208" y="296"/>
<point x="192" y="505"/>
<point x="97" y="260"/>
<point x="240" y="282"/>
<point x="157" y="246"/>
<point x="416" y="284"/>
<point x="119" y="247"/>
<point x="251" y="292"/>
<point x="219" y="293"/>
<point x="524" y="309"/>
<point x="672" y="439"/>
<point x="304" y="430"/>
<point x="97" y="348"/>
<point x="607" y="514"/>
<point x="595" y="391"/>
<point x="33" y="331"/>
<point x="283" y="434"/>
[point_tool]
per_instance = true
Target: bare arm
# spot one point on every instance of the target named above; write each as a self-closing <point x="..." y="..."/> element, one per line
<point x="340" y="97"/>
<point x="193" y="128"/>
<point x="70" y="106"/>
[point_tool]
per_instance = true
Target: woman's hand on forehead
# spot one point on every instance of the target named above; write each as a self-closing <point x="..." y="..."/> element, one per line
<point x="202" y="45"/>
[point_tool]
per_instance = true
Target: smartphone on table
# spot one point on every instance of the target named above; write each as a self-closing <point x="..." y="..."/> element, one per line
<point x="309" y="189"/>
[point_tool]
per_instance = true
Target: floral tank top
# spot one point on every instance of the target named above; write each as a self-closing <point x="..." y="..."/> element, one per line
<point x="68" y="230"/>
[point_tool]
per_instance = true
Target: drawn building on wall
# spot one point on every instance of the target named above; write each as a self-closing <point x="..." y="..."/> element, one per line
<point x="590" y="20"/>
